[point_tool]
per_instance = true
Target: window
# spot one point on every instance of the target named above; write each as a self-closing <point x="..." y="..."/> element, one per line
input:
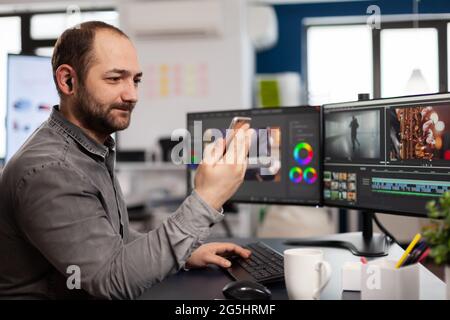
<point x="339" y="63"/>
<point x="409" y="62"/>
<point x="51" y="25"/>
<point x="406" y="56"/>
<point x="44" y="51"/>
<point x="11" y="38"/>
<point x="35" y="33"/>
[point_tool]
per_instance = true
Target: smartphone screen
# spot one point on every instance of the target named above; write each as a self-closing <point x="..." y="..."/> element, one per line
<point x="236" y="124"/>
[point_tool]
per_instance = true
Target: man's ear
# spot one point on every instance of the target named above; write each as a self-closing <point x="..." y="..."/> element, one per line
<point x="66" y="79"/>
<point x="69" y="83"/>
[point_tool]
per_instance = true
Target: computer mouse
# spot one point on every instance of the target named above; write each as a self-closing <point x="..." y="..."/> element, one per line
<point x="246" y="290"/>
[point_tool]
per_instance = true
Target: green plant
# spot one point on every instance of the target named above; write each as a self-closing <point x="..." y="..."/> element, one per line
<point x="437" y="234"/>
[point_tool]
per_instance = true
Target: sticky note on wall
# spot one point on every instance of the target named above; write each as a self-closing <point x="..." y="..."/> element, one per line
<point x="269" y="93"/>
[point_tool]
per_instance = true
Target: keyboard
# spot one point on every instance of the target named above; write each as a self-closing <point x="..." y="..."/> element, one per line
<point x="265" y="265"/>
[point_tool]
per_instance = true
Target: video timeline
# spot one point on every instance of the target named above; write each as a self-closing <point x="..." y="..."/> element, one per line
<point x="410" y="187"/>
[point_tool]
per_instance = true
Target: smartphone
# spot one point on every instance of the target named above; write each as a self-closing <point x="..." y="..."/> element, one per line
<point x="236" y="123"/>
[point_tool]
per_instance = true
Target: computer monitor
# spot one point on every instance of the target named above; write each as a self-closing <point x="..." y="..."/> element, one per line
<point x="31" y="93"/>
<point x="285" y="157"/>
<point x="387" y="155"/>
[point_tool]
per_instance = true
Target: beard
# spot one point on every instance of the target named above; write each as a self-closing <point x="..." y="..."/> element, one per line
<point x="99" y="117"/>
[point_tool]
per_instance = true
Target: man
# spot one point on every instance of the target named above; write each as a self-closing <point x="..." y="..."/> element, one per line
<point x="62" y="213"/>
<point x="354" y="125"/>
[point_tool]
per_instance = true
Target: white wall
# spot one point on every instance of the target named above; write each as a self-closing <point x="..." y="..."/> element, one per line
<point x="8" y="5"/>
<point x="225" y="58"/>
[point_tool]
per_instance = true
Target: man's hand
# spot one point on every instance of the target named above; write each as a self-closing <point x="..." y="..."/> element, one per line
<point x="219" y="175"/>
<point x="215" y="253"/>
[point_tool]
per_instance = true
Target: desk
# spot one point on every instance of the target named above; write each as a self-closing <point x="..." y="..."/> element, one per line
<point x="207" y="283"/>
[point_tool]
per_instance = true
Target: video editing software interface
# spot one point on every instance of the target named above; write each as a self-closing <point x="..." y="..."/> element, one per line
<point x="389" y="155"/>
<point x="284" y="160"/>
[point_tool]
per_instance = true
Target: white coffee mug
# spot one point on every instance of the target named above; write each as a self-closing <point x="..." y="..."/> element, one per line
<point x="306" y="273"/>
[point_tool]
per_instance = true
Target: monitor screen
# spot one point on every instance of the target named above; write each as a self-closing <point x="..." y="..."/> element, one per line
<point x="284" y="159"/>
<point x="387" y="155"/>
<point x="31" y="93"/>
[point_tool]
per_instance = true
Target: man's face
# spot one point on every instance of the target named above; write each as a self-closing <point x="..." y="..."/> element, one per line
<point x="108" y="94"/>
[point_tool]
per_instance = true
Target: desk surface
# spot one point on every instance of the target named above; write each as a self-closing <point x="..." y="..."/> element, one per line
<point x="207" y="283"/>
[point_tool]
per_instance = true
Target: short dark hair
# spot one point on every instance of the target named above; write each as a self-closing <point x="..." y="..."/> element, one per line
<point x="74" y="47"/>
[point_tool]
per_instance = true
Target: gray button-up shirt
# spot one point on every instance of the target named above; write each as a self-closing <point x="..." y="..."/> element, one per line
<point x="61" y="208"/>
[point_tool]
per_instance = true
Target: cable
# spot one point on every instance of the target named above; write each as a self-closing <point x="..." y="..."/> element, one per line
<point x="384" y="230"/>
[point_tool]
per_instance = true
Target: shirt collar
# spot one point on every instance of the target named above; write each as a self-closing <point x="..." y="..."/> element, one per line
<point x="80" y="137"/>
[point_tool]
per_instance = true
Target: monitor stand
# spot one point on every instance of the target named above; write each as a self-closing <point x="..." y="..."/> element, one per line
<point x="364" y="243"/>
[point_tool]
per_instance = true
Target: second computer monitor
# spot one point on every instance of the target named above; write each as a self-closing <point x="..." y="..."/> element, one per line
<point x="31" y="95"/>
<point x="286" y="142"/>
<point x="387" y="155"/>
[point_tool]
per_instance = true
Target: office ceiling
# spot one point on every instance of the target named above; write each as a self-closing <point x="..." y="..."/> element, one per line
<point x="21" y="5"/>
<point x="299" y="1"/>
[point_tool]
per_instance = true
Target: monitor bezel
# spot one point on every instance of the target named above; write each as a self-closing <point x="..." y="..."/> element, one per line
<point x="311" y="108"/>
<point x="413" y="99"/>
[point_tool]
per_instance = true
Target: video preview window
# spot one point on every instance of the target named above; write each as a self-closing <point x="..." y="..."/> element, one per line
<point x="352" y="135"/>
<point x="419" y="133"/>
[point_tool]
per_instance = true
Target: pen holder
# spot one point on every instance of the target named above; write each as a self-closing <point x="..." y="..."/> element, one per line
<point x="380" y="280"/>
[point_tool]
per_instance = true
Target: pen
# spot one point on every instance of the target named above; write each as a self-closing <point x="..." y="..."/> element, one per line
<point x="421" y="248"/>
<point x="416" y="253"/>
<point x="424" y="255"/>
<point x="408" y="250"/>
